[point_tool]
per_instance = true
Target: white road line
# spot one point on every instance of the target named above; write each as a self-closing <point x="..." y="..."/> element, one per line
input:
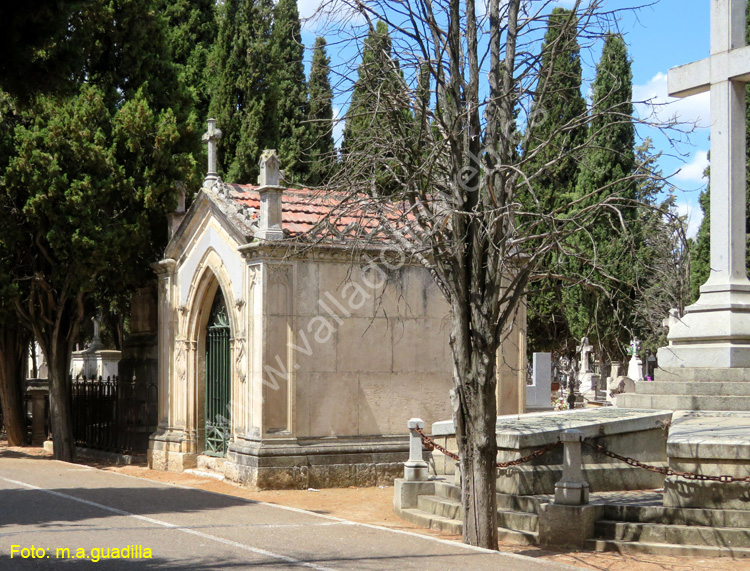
<point x="228" y="542"/>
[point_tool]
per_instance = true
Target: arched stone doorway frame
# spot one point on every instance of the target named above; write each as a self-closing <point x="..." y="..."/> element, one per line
<point x="210" y="275"/>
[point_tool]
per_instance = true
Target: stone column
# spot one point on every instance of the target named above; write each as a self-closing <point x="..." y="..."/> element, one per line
<point x="572" y="490"/>
<point x="415" y="469"/>
<point x="165" y="272"/>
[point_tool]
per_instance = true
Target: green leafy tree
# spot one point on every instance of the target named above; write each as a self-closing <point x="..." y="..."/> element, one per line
<point x="287" y="72"/>
<point x="321" y="151"/>
<point x="36" y="56"/>
<point x="78" y="210"/>
<point x="242" y="98"/>
<point x="90" y="180"/>
<point x="606" y="170"/>
<point x="553" y="156"/>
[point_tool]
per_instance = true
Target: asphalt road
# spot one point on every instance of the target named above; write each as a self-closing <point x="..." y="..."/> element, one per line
<point x="54" y="506"/>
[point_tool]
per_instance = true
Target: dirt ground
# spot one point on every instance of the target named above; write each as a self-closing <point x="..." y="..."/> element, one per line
<point x="375" y="506"/>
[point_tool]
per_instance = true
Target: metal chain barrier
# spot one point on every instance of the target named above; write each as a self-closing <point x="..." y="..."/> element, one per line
<point x="431" y="445"/>
<point x="724" y="479"/>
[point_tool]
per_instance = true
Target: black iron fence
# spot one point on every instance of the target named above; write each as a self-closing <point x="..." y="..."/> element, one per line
<point x="114" y="414"/>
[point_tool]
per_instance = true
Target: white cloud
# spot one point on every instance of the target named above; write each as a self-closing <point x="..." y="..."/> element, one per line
<point x="694" y="217"/>
<point x="692" y="174"/>
<point x="307" y="7"/>
<point x="695" y="109"/>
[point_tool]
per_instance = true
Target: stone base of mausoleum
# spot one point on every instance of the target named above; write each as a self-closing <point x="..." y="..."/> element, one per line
<point x="292" y="463"/>
<point x="316" y="463"/>
<point x="171" y="451"/>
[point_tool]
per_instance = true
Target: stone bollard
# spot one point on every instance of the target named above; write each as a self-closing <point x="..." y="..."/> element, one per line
<point x="572" y="490"/>
<point x="570" y="520"/>
<point x="415" y="469"/>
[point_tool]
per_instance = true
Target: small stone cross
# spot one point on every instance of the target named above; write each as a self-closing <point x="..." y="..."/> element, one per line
<point x="584" y="349"/>
<point x="635" y="345"/>
<point x="724" y="74"/>
<point x="211" y="137"/>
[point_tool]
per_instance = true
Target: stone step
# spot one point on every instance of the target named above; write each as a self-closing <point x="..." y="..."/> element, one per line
<point x="529" y="504"/>
<point x="432" y="521"/>
<point x="442" y="507"/>
<point x="678" y="516"/>
<point x="666" y="549"/>
<point x="451" y="509"/>
<point x="205" y="474"/>
<point x="454" y="526"/>
<point x="707" y="388"/>
<point x="683" y="402"/>
<point x="518" y="521"/>
<point x="694" y="375"/>
<point x="673" y="534"/>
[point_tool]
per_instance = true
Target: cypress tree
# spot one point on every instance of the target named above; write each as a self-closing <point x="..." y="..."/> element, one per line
<point x="290" y="89"/>
<point x="321" y="153"/>
<point x="191" y="34"/>
<point x="558" y="109"/>
<point x="609" y="157"/>
<point x="379" y="121"/>
<point x="242" y="98"/>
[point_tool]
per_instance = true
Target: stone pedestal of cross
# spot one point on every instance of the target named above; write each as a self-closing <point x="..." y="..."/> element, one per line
<point x="715" y="331"/>
<point x="211" y="137"/>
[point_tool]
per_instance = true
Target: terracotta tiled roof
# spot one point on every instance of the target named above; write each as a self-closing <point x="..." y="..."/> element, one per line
<point x="302" y="209"/>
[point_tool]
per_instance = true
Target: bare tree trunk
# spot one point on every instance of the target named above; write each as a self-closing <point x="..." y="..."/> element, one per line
<point x="475" y="414"/>
<point x="13" y="343"/>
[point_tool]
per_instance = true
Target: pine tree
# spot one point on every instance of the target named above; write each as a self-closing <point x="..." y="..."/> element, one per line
<point x="555" y="142"/>
<point x="321" y="153"/>
<point x="287" y="71"/>
<point x="609" y="158"/>
<point x="242" y="96"/>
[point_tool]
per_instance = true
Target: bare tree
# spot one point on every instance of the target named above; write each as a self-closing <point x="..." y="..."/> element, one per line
<point x="456" y="137"/>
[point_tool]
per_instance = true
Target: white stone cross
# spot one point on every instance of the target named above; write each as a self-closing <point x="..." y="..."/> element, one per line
<point x="724" y="74"/>
<point x="634" y="346"/>
<point x="584" y="349"/>
<point x="211" y="137"/>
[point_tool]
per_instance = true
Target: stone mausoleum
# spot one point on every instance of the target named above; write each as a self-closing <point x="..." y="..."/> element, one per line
<point x="299" y="366"/>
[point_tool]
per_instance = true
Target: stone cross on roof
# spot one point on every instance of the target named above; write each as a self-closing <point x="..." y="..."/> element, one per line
<point x="724" y="74"/>
<point x="211" y="137"/>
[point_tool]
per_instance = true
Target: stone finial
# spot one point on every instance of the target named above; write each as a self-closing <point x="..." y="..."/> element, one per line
<point x="270" y="223"/>
<point x="270" y="168"/>
<point x="211" y="137"/>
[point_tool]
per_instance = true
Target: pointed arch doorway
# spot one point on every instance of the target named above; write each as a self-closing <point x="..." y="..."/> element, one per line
<point x="217" y="376"/>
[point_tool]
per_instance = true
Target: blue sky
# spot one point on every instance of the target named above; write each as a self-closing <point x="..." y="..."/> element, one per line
<point x="665" y="35"/>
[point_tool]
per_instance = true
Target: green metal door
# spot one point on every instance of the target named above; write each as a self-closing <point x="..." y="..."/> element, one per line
<point x="217" y="379"/>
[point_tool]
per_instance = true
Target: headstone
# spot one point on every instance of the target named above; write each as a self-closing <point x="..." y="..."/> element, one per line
<point x="715" y="331"/>
<point x="635" y="366"/>
<point x="588" y="382"/>
<point x="585" y="351"/>
<point x="539" y="393"/>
